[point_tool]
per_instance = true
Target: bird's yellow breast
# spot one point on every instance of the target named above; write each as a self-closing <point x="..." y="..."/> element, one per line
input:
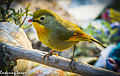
<point x="42" y="32"/>
<point x="40" y="29"/>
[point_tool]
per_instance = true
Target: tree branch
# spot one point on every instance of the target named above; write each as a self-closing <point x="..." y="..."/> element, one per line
<point x="56" y="61"/>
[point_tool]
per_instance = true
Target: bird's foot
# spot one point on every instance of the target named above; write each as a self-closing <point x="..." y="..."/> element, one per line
<point x="49" y="54"/>
<point x="54" y="53"/>
<point x="71" y="64"/>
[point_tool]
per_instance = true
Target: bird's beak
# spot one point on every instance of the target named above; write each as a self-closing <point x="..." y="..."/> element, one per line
<point x="30" y="20"/>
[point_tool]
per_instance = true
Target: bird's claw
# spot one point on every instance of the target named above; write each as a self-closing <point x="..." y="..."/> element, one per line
<point x="54" y="53"/>
<point x="49" y="54"/>
<point x="43" y="58"/>
<point x="71" y="64"/>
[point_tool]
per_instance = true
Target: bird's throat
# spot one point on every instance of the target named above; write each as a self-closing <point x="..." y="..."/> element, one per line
<point x="40" y="29"/>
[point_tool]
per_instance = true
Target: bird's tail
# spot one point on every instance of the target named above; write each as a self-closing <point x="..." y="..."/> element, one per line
<point x="85" y="37"/>
<point x="96" y="41"/>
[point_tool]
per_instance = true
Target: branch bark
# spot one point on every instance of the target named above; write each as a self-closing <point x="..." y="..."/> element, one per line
<point x="81" y="68"/>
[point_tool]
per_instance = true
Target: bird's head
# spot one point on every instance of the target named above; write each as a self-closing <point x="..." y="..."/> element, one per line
<point x="43" y="18"/>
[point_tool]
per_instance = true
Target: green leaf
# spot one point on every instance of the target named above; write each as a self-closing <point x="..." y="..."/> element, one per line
<point x="13" y="10"/>
<point x="114" y="31"/>
<point x="90" y="26"/>
<point x="28" y="6"/>
<point x="107" y="24"/>
<point x="27" y="9"/>
<point x="30" y="14"/>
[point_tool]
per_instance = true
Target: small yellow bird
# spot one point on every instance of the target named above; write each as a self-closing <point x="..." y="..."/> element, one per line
<point x="58" y="33"/>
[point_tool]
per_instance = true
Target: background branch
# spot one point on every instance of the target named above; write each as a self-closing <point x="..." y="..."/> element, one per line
<point x="81" y="68"/>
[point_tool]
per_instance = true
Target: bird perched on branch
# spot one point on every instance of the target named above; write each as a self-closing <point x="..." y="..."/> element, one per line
<point x="58" y="33"/>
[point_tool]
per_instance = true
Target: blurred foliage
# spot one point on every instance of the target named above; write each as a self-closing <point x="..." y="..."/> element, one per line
<point x="4" y="9"/>
<point x="111" y="15"/>
<point x="107" y="33"/>
<point x="8" y="14"/>
<point x="101" y="34"/>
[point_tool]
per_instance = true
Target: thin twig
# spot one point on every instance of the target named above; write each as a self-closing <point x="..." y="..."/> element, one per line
<point x="27" y="27"/>
<point x="24" y="19"/>
<point x="27" y="9"/>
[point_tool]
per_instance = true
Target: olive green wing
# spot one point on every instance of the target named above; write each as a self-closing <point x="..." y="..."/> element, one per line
<point x="70" y="32"/>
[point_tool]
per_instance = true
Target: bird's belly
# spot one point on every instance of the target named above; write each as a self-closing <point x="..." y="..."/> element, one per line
<point x="61" y="45"/>
<point x="56" y="44"/>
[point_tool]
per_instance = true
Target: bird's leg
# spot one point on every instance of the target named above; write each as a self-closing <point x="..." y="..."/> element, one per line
<point x="71" y="65"/>
<point x="49" y="54"/>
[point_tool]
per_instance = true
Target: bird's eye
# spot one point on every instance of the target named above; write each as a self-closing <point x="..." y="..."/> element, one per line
<point x="42" y="18"/>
